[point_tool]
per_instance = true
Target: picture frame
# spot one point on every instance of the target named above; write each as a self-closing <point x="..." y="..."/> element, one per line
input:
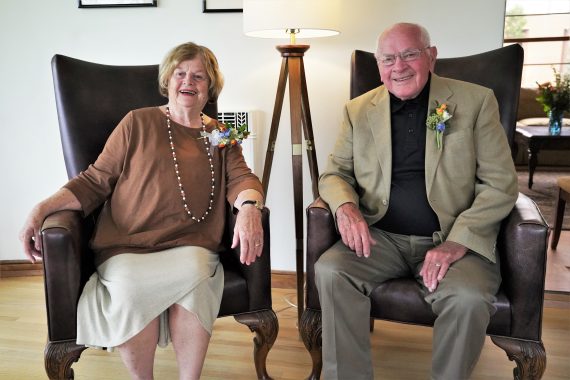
<point x="116" y="3"/>
<point x="222" y="6"/>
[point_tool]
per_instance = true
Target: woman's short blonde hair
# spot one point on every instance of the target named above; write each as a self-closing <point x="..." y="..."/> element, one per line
<point x="186" y="52"/>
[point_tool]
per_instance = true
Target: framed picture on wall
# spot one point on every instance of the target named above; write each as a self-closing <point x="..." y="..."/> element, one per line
<point x="116" y="3"/>
<point x="219" y="6"/>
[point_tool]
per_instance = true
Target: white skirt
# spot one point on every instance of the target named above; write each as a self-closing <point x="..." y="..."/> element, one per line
<point x="130" y="290"/>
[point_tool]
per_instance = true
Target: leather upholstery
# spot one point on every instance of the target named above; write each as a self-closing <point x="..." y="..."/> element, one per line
<point x="516" y="326"/>
<point x="522" y="245"/>
<point x="91" y="99"/>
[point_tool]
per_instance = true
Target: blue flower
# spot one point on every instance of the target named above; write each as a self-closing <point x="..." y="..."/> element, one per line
<point x="227" y="135"/>
<point x="436" y="121"/>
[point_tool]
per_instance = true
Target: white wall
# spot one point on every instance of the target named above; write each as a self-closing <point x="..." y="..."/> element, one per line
<point x="31" y="32"/>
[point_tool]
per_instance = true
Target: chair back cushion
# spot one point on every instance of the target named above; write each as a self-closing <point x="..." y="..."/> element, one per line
<point x="92" y="98"/>
<point x="499" y="70"/>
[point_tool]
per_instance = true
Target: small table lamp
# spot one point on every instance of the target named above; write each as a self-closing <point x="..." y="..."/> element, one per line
<point x="293" y="19"/>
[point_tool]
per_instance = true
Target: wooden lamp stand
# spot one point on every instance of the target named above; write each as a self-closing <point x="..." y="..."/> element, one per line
<point x="292" y="67"/>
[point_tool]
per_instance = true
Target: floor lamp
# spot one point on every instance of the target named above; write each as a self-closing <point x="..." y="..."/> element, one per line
<point x="293" y="19"/>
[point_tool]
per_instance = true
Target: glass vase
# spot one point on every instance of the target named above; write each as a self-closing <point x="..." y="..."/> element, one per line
<point x="555" y="122"/>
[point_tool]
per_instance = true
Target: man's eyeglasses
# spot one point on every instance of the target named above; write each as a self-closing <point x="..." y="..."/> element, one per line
<point x="406" y="56"/>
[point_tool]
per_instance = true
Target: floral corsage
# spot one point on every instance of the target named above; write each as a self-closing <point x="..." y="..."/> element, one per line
<point x="436" y="121"/>
<point x="227" y="134"/>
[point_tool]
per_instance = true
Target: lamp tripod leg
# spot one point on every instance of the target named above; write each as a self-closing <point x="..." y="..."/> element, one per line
<point x="274" y="124"/>
<point x="309" y="137"/>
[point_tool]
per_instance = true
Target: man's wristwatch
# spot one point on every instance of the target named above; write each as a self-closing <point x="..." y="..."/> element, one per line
<point x="258" y="205"/>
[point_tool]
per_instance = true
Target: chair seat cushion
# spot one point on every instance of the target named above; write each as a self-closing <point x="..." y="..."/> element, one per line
<point x="402" y="300"/>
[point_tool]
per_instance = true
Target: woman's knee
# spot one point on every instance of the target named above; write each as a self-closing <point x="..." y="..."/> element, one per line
<point x="178" y="311"/>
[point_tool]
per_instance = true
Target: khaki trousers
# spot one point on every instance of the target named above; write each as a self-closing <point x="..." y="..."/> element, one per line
<point x="463" y="302"/>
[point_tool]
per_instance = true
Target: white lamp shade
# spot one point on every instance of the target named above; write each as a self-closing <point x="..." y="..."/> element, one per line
<point x="272" y="18"/>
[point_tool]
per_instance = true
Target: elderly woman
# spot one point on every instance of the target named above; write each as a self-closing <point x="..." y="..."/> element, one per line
<point x="164" y="188"/>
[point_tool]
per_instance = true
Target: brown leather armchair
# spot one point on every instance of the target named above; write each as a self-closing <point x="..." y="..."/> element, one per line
<point x="91" y="99"/>
<point x="516" y="326"/>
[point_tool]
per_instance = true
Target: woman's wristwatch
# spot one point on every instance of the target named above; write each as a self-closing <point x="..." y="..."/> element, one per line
<point x="258" y="205"/>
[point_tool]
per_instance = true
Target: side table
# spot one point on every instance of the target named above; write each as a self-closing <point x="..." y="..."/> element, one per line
<point x="536" y="138"/>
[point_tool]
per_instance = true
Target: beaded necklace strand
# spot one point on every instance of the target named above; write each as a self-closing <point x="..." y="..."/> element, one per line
<point x="181" y="188"/>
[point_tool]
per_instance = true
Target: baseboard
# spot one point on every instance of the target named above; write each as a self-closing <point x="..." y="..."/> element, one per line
<point x="283" y="279"/>
<point x="19" y="268"/>
<point x="556" y="299"/>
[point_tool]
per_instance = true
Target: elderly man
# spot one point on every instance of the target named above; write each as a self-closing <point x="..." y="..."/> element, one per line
<point x="419" y="180"/>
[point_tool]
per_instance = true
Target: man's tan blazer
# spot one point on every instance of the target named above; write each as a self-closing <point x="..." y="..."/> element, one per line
<point x="471" y="181"/>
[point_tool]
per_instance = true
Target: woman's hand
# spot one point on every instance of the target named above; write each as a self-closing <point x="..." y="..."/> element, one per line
<point x="248" y="234"/>
<point x="30" y="234"/>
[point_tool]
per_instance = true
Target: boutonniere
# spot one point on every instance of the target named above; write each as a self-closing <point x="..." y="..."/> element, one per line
<point x="228" y="134"/>
<point x="436" y="121"/>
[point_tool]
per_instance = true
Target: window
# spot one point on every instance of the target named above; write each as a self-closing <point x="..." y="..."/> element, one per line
<point x="542" y="27"/>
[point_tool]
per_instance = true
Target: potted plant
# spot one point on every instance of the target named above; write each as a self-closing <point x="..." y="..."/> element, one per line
<point x="555" y="100"/>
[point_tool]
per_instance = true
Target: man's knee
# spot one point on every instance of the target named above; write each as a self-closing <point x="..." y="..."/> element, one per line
<point x="465" y="301"/>
<point x="329" y="268"/>
<point x="326" y="264"/>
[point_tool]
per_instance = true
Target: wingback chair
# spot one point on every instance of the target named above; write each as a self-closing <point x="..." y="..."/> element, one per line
<point x="516" y="326"/>
<point x="91" y="99"/>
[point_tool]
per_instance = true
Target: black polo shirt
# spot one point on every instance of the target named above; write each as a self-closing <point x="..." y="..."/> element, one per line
<point x="409" y="212"/>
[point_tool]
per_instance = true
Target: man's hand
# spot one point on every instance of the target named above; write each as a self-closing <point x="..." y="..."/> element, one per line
<point x="438" y="260"/>
<point x="354" y="229"/>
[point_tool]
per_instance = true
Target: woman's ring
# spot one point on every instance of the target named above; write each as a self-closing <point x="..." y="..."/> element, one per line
<point x="258" y="244"/>
<point x="437" y="265"/>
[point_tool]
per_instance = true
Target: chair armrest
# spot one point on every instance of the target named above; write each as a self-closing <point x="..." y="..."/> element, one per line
<point x="321" y="235"/>
<point x="522" y="244"/>
<point x="67" y="265"/>
<point x="258" y="274"/>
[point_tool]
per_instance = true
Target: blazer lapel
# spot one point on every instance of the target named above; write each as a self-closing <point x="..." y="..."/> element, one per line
<point x="439" y="93"/>
<point x="379" y="123"/>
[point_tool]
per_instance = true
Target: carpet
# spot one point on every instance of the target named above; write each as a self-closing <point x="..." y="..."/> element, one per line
<point x="544" y="191"/>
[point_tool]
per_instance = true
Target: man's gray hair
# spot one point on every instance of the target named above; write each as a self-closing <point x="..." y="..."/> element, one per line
<point x="424" y="35"/>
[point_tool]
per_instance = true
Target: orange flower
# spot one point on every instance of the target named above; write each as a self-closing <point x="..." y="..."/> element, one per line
<point x="441" y="108"/>
<point x="227" y="135"/>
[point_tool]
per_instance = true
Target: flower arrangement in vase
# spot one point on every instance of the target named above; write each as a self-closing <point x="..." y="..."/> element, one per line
<point x="555" y="100"/>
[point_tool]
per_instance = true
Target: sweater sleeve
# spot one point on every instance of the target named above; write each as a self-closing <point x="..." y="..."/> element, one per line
<point x="93" y="186"/>
<point x="239" y="176"/>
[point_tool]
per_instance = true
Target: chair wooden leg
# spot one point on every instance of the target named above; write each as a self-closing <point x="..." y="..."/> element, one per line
<point x="311" y="333"/>
<point x="58" y="358"/>
<point x="558" y="219"/>
<point x="265" y="326"/>
<point x="530" y="357"/>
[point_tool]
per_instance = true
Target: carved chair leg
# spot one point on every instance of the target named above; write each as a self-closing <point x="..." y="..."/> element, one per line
<point x="530" y="357"/>
<point x="265" y="326"/>
<point x="58" y="358"/>
<point x="311" y="333"/>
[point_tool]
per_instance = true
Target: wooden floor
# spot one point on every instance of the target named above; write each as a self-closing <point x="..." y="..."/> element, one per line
<point x="400" y="351"/>
<point x="558" y="266"/>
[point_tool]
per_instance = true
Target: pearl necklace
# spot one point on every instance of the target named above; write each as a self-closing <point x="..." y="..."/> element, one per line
<point x="182" y="193"/>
